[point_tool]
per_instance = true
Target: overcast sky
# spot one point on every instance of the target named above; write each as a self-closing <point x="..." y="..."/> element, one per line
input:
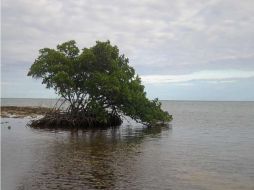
<point x="182" y="49"/>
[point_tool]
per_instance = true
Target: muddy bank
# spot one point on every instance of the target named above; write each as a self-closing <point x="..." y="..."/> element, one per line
<point x="21" y="112"/>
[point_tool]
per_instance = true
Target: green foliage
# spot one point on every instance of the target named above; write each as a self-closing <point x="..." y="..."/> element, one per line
<point x="97" y="81"/>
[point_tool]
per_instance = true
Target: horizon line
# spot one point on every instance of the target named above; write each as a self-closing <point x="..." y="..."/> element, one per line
<point x="194" y="100"/>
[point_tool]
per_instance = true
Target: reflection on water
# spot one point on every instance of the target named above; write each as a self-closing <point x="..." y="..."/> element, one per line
<point x="206" y="148"/>
<point x="88" y="159"/>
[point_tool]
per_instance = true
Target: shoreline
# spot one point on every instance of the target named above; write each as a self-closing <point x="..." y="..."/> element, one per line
<point x="48" y="118"/>
<point x="23" y="111"/>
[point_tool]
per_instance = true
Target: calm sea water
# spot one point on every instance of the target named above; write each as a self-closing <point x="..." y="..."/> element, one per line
<point x="210" y="146"/>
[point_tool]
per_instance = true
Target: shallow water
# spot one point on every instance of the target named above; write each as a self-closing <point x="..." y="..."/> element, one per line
<point x="210" y="146"/>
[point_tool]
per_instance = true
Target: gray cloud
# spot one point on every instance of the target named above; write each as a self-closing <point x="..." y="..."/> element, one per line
<point x="210" y="76"/>
<point x="159" y="36"/>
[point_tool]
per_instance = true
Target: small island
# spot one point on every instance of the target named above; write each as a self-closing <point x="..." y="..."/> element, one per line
<point x="97" y="84"/>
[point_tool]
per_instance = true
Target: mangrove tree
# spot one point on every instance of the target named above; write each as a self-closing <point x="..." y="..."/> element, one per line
<point x="98" y="84"/>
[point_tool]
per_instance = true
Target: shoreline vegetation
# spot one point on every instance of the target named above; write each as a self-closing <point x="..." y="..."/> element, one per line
<point x="45" y="117"/>
<point x="98" y="85"/>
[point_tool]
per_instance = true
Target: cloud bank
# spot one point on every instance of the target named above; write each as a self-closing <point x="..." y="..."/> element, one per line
<point x="165" y="40"/>
<point x="219" y="76"/>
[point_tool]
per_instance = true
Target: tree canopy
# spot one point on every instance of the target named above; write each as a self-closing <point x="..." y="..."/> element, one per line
<point x="97" y="81"/>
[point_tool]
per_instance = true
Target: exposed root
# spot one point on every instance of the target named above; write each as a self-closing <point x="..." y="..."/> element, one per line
<point x="65" y="120"/>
